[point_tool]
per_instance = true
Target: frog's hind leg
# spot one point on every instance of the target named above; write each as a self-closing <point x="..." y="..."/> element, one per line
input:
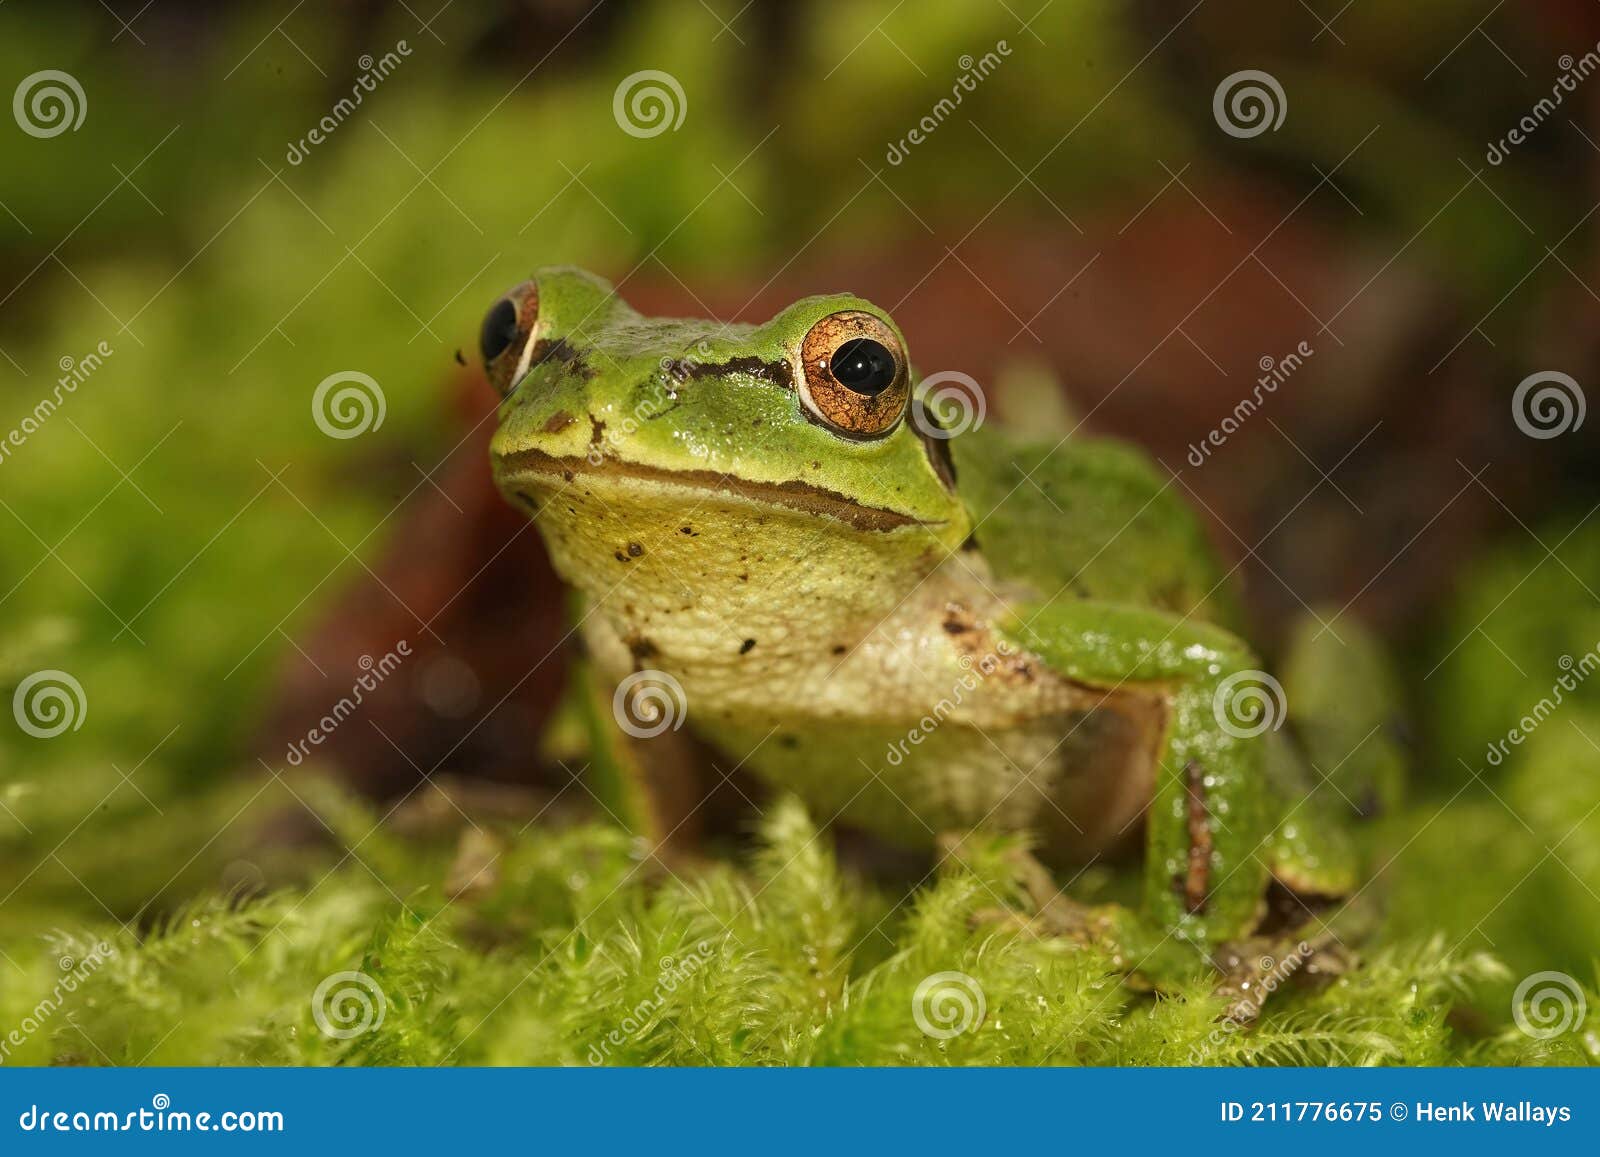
<point x="1331" y="770"/>
<point x="1336" y="769"/>
<point x="1217" y="852"/>
<point x="1207" y="822"/>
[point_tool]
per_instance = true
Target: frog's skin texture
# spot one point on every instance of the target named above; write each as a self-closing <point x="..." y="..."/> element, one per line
<point x="916" y="635"/>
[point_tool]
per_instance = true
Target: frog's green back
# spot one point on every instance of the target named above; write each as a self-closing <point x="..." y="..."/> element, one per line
<point x="1089" y="518"/>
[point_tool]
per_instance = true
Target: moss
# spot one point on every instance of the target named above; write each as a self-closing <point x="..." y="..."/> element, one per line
<point x="575" y="956"/>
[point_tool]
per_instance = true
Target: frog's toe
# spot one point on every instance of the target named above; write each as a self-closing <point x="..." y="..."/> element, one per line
<point x="1061" y="918"/>
<point x="1256" y="967"/>
<point x="1054" y="912"/>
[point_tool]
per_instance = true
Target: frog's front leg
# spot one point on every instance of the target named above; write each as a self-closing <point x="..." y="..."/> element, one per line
<point x="1054" y="912"/>
<point x="1204" y="874"/>
<point x="651" y="774"/>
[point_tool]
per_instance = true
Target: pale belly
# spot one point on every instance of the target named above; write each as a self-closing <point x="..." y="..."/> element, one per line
<point x="930" y="724"/>
<point x="838" y="665"/>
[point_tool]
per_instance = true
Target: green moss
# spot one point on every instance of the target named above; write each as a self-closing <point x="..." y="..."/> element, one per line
<point x="574" y="956"/>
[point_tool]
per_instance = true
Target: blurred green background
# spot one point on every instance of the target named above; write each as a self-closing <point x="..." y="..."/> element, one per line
<point x="180" y="537"/>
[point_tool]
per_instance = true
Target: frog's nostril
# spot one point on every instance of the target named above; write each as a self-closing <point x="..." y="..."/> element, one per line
<point x="499" y="330"/>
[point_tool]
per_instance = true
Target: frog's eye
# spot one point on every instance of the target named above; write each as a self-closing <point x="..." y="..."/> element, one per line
<point x="503" y="340"/>
<point x="855" y="380"/>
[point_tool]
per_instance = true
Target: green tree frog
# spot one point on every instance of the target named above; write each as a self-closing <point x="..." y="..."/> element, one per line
<point x="919" y="634"/>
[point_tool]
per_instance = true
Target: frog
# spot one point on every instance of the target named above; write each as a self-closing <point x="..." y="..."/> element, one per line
<point x="784" y="548"/>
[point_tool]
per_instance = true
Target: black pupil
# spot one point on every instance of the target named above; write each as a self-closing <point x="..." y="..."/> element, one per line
<point x="863" y="365"/>
<point x="499" y="329"/>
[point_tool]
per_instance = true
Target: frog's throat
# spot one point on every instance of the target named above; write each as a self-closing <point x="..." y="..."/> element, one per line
<point x="794" y="495"/>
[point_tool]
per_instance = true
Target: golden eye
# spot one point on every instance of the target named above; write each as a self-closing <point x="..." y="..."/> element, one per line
<point x="504" y="336"/>
<point x="855" y="380"/>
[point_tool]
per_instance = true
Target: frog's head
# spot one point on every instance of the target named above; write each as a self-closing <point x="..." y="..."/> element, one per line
<point x="633" y="434"/>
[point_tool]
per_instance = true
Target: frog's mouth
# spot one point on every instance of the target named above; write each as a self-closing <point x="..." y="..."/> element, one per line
<point x="537" y="466"/>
